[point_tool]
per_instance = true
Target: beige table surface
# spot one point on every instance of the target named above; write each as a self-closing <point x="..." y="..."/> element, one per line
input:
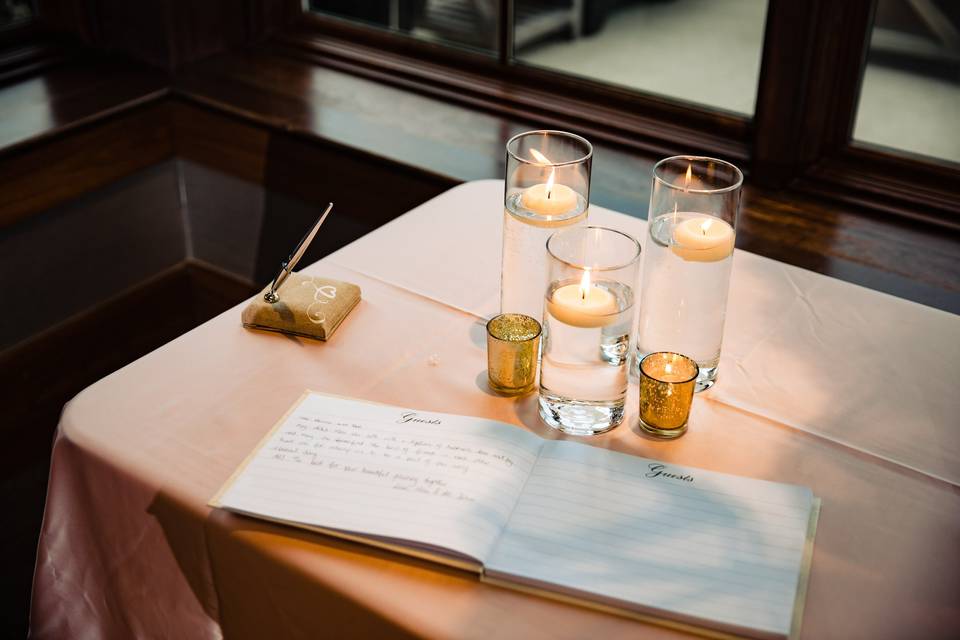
<point x="822" y="383"/>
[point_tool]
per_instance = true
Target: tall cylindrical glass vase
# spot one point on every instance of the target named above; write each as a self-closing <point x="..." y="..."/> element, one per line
<point x="547" y="188"/>
<point x="586" y="329"/>
<point x="688" y="256"/>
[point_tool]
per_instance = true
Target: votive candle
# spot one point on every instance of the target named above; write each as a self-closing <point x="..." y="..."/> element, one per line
<point x="667" y="383"/>
<point x="513" y="344"/>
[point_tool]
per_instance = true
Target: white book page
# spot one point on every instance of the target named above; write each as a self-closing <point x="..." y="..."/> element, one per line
<point x="699" y="547"/>
<point x="429" y="478"/>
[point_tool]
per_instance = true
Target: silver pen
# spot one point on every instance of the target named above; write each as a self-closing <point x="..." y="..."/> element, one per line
<point x="287" y="267"/>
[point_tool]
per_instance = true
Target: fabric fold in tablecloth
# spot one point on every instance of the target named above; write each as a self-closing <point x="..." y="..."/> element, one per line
<point x="130" y="549"/>
<point x="793" y="348"/>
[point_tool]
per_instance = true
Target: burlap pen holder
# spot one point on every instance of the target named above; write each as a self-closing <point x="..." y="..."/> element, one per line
<point x="309" y="306"/>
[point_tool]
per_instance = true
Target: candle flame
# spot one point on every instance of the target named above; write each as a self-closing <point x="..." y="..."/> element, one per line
<point x="689" y="177"/>
<point x="585" y="285"/>
<point x="544" y="160"/>
<point x="668" y="368"/>
<point x="705" y="226"/>
<point x="539" y="157"/>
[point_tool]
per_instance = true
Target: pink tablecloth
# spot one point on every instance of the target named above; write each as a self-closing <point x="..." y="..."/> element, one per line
<point x="823" y="383"/>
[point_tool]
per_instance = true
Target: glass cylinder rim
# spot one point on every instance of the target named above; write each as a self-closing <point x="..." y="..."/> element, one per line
<point x="731" y="187"/>
<point x="507" y="340"/>
<point x="557" y="132"/>
<point x="696" y="368"/>
<point x="584" y="267"/>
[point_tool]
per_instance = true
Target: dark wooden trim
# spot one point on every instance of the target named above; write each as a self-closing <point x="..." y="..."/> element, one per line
<point x="76" y="96"/>
<point x="618" y="115"/>
<point x="20" y="34"/>
<point x="166" y="33"/>
<point x="42" y="373"/>
<point x="507" y="94"/>
<point x="230" y="144"/>
<point x="267" y="17"/>
<point x="806" y="113"/>
<point x="32" y="396"/>
<point x="254" y="114"/>
<point x="505" y="32"/>
<point x="39" y="177"/>
<point x="810" y="78"/>
<point x="243" y="117"/>
<point x="806" y="228"/>
<point x="814" y="55"/>
<point x="892" y="184"/>
<point x="30" y="58"/>
<point x="75" y="18"/>
<point x="918" y="262"/>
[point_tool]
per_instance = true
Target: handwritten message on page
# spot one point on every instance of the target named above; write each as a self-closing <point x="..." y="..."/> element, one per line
<point x="432" y="478"/>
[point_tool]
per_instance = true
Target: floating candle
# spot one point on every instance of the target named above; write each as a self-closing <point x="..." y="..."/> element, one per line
<point x="583" y="305"/>
<point x="703" y="239"/>
<point x="550" y="198"/>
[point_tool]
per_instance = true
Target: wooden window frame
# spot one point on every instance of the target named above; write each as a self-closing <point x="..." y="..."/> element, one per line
<point x="800" y="137"/>
<point x="41" y="42"/>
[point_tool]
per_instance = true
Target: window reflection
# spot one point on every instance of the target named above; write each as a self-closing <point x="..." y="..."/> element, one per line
<point x="910" y="97"/>
<point x="15" y="12"/>
<point x="701" y="51"/>
<point x="465" y="23"/>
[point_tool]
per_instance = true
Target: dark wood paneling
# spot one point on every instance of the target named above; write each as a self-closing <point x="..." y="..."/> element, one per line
<point x="809" y="83"/>
<point x="41" y="375"/>
<point x="76" y="18"/>
<point x="810" y="78"/>
<point x="377" y="190"/>
<point x="30" y="57"/>
<point x="811" y="74"/>
<point x="921" y="263"/>
<point x="312" y="134"/>
<point x="38" y="178"/>
<point x="887" y="183"/>
<point x="287" y="96"/>
<point x="330" y="114"/>
<point x="166" y="33"/>
<point x="641" y="123"/>
<point x="231" y="145"/>
<point x="72" y="96"/>
<point x="303" y="176"/>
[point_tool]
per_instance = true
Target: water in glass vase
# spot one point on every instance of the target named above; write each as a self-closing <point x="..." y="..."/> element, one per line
<point x="583" y="372"/>
<point x="523" y="276"/>
<point x="686" y="278"/>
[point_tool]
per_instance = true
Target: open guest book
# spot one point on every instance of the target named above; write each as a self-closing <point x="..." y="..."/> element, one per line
<point x="713" y="553"/>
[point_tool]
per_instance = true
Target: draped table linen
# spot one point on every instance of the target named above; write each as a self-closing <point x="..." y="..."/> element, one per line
<point x="822" y="383"/>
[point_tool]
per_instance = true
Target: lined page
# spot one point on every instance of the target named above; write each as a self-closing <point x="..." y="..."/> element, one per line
<point x="430" y="478"/>
<point x="700" y="547"/>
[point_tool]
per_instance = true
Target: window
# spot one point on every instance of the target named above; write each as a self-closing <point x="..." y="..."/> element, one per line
<point x="472" y="24"/>
<point x="700" y="51"/>
<point x="910" y="98"/>
<point x="15" y="13"/>
<point x="780" y="87"/>
<point x="635" y="44"/>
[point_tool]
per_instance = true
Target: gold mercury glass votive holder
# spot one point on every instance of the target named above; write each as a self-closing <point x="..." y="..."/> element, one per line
<point x="667" y="382"/>
<point x="513" y="344"/>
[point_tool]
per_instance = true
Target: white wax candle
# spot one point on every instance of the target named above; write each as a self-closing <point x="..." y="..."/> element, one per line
<point x="549" y="199"/>
<point x="703" y="239"/>
<point x="583" y="305"/>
